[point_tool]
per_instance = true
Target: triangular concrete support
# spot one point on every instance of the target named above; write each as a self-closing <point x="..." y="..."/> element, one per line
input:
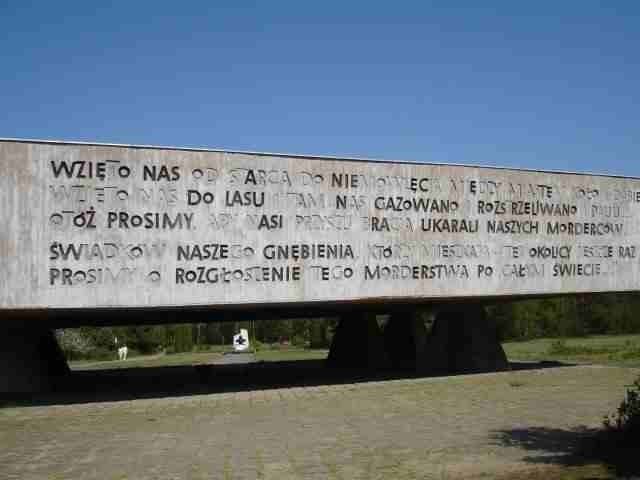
<point x="357" y="343"/>
<point x="463" y="340"/>
<point x="405" y="337"/>
<point x="30" y="360"/>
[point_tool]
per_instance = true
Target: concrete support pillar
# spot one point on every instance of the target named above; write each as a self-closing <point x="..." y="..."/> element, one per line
<point x="463" y="340"/>
<point x="405" y="339"/>
<point x="357" y="343"/>
<point x="30" y="360"/>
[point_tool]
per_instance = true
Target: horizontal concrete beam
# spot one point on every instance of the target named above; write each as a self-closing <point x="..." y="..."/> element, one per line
<point x="115" y="227"/>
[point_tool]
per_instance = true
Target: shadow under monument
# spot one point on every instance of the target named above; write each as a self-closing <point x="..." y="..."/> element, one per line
<point x="121" y="384"/>
<point x="575" y="448"/>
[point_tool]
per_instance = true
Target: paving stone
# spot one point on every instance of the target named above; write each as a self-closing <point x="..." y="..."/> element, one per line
<point x="413" y="428"/>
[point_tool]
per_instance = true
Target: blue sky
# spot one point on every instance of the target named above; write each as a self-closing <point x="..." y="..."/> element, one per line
<point x="546" y="84"/>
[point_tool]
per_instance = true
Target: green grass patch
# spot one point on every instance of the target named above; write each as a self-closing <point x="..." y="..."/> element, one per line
<point x="290" y="355"/>
<point x="196" y="358"/>
<point x="158" y="360"/>
<point x="621" y="350"/>
<point x="560" y="348"/>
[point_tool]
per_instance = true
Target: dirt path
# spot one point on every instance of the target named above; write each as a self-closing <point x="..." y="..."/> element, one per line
<point x="513" y="425"/>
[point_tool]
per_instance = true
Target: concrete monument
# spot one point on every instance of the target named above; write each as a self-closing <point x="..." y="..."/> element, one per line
<point x="139" y="230"/>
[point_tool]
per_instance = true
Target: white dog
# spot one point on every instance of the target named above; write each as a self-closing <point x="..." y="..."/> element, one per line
<point x="122" y="352"/>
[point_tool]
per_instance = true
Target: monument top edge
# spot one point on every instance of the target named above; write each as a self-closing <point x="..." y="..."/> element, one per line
<point x="308" y="156"/>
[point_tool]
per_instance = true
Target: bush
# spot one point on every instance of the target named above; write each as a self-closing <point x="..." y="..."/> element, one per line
<point x="74" y="344"/>
<point x="101" y="353"/>
<point x="626" y="420"/>
<point x="183" y="339"/>
<point x="299" y="341"/>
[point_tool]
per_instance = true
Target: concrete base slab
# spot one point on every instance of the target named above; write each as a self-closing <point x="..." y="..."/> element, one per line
<point x="30" y="361"/>
<point x="463" y="340"/>
<point x="358" y="343"/>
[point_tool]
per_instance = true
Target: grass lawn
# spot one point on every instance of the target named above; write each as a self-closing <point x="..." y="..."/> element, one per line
<point x="159" y="360"/>
<point x="620" y="350"/>
<point x="290" y="354"/>
<point x="195" y="358"/>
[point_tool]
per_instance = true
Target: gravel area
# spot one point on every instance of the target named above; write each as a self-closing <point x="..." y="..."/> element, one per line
<point x="521" y="424"/>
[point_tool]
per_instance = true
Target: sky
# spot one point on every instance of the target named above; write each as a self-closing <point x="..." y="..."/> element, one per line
<point x="541" y="85"/>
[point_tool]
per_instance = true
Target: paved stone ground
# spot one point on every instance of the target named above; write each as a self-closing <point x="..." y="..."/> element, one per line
<point x="513" y="425"/>
<point x="234" y="358"/>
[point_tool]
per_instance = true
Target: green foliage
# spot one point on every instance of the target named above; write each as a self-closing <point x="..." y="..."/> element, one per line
<point x="517" y="321"/>
<point x="626" y="420"/>
<point x="74" y="344"/>
<point x="319" y="334"/>
<point x="183" y="338"/>
<point x="101" y="353"/>
<point x="567" y="317"/>
<point x="299" y="341"/>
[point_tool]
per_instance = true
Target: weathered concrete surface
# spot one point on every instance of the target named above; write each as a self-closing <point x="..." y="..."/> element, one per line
<point x="463" y="340"/>
<point x="358" y="343"/>
<point x="30" y="361"/>
<point x="86" y="226"/>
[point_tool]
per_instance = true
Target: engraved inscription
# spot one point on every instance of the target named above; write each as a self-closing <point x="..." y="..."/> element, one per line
<point x="150" y="227"/>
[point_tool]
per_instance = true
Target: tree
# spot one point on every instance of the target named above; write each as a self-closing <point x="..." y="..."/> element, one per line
<point x="183" y="338"/>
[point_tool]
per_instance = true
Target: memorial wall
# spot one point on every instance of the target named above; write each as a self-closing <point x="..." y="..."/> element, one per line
<point x="114" y="226"/>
